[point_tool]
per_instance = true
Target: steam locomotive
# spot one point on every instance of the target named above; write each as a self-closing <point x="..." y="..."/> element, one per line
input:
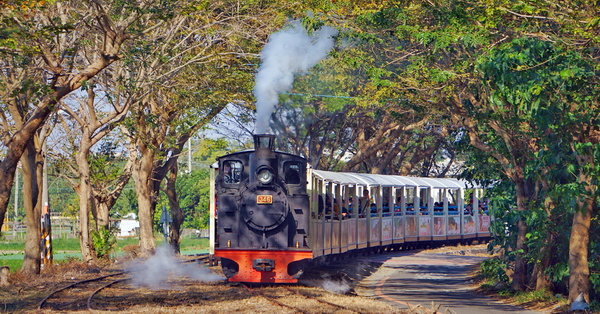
<point x="271" y="214"/>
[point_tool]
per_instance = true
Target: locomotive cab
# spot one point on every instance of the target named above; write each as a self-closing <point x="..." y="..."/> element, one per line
<point x="263" y="214"/>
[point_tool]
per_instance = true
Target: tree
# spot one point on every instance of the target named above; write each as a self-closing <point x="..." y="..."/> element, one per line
<point x="205" y="67"/>
<point x="44" y="46"/>
<point x="343" y="114"/>
<point x="194" y="197"/>
<point x="98" y="176"/>
<point x="550" y="80"/>
<point x="94" y="124"/>
<point x="435" y="48"/>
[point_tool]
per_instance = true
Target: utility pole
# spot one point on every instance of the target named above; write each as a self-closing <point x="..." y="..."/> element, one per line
<point x="190" y="155"/>
<point x="15" y="223"/>
<point x="165" y="220"/>
<point x="46" y="240"/>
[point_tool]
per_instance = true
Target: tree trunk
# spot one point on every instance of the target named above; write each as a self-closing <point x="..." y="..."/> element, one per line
<point x="547" y="251"/>
<point x="541" y="280"/>
<point x="520" y="275"/>
<point x="176" y="212"/>
<point x="144" y="185"/>
<point x="33" y="211"/>
<point x="579" y="271"/>
<point x="85" y="195"/>
<point x="15" y="149"/>
<point x="7" y="180"/>
<point x="104" y="200"/>
<point x="102" y="215"/>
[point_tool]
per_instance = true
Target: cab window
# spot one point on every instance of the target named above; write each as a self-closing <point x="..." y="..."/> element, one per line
<point x="232" y="171"/>
<point x="292" y="172"/>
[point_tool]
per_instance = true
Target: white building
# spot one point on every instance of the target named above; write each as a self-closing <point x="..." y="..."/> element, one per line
<point x="128" y="226"/>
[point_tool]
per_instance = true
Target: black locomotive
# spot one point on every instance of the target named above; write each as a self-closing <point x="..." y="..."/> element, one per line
<point x="263" y="214"/>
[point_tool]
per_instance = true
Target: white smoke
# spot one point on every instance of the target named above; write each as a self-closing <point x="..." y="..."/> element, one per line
<point x="287" y="53"/>
<point x="155" y="272"/>
<point x="336" y="286"/>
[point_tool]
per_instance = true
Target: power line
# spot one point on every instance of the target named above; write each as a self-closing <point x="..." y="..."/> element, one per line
<point x="318" y="95"/>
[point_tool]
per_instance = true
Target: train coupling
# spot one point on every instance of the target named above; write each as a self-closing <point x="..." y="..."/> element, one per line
<point x="263" y="264"/>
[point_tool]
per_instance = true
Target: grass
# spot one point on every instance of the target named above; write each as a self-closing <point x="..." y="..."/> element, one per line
<point x="538" y="300"/>
<point x="65" y="244"/>
<point x="541" y="299"/>
<point x="11" y="246"/>
<point x="8" y="257"/>
<point x="14" y="264"/>
<point x="194" y="244"/>
<point x="535" y="296"/>
<point x="73" y="244"/>
<point x="126" y="241"/>
<point x="57" y="244"/>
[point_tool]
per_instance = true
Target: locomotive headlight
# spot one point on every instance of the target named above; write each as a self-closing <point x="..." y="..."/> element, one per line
<point x="264" y="176"/>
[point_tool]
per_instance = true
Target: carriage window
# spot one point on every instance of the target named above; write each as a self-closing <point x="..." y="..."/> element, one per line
<point x="232" y="171"/>
<point x="292" y="171"/>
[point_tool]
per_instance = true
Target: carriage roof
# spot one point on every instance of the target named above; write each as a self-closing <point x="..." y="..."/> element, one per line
<point x="365" y="179"/>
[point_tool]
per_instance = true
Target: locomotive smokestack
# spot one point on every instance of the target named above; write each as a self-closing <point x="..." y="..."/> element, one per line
<point x="263" y="142"/>
<point x="265" y="161"/>
<point x="263" y="145"/>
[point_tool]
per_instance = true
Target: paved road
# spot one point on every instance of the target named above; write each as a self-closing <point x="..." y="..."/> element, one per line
<point x="431" y="280"/>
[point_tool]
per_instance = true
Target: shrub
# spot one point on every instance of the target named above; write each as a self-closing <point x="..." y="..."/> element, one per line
<point x="104" y="242"/>
<point x="494" y="269"/>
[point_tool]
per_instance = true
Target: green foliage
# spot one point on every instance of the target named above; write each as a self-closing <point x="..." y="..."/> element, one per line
<point x="534" y="77"/>
<point x="537" y="78"/>
<point x="193" y="193"/>
<point x="495" y="269"/>
<point x="209" y="149"/>
<point x="535" y="296"/>
<point x="127" y="203"/>
<point x="105" y="165"/>
<point x="193" y="190"/>
<point x="104" y="242"/>
<point x="559" y="272"/>
<point x="540" y="89"/>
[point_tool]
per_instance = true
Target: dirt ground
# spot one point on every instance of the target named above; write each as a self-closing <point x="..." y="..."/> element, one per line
<point x="182" y="294"/>
<point x="201" y="289"/>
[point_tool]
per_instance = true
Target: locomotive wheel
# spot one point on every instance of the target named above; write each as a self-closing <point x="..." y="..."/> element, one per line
<point x="229" y="267"/>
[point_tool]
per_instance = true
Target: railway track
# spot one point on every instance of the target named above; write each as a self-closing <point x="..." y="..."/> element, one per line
<point x="78" y="295"/>
<point x="198" y="258"/>
<point x="301" y="291"/>
<point x="300" y="299"/>
<point x="66" y="290"/>
<point x="116" y="292"/>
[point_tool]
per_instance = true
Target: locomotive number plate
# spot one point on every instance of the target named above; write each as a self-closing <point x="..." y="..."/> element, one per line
<point x="264" y="199"/>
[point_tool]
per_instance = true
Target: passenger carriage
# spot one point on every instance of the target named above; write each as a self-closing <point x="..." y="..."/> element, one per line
<point x="409" y="211"/>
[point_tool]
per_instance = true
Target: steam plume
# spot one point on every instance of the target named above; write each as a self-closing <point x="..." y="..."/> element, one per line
<point x="155" y="272"/>
<point x="288" y="52"/>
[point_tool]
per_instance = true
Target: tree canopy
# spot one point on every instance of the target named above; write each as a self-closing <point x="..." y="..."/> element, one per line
<point x="491" y="90"/>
